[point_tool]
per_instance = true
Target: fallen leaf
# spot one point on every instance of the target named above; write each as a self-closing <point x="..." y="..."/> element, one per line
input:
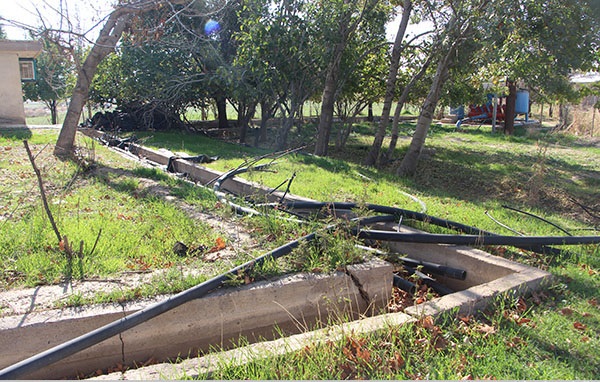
<point x="593" y="302"/>
<point x="219" y="245"/>
<point x="521" y="305"/>
<point x="427" y="323"/>
<point x="585" y="339"/>
<point x="396" y="362"/>
<point x="465" y="319"/>
<point x="522" y="321"/>
<point x="485" y="329"/>
<point x="579" y="326"/>
<point x="566" y="311"/>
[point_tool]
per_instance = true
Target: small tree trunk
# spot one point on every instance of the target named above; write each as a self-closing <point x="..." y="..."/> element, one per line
<point x="245" y="114"/>
<point x="370" y="112"/>
<point x="221" y="102"/>
<point x="265" y="114"/>
<point x="400" y="105"/>
<point x="331" y="80"/>
<point x="408" y="167"/>
<point x="53" y="112"/>
<point x="511" y="103"/>
<point x="105" y="44"/>
<point x="390" y="85"/>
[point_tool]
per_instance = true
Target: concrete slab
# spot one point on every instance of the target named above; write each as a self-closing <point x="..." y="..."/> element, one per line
<point x="291" y="304"/>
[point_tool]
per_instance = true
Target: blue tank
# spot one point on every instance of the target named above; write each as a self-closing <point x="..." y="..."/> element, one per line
<point x="522" y="104"/>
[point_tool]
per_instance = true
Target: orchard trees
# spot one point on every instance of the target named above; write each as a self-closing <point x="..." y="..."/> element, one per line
<point x="538" y="42"/>
<point x="338" y="22"/>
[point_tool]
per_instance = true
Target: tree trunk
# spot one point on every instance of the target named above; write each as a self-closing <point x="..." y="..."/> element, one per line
<point x="266" y="112"/>
<point x="400" y="105"/>
<point x="221" y="102"/>
<point x="370" y="112"/>
<point x="511" y="102"/>
<point x="327" y="106"/>
<point x="344" y="133"/>
<point x="105" y="44"/>
<point x="408" y="167"/>
<point x="245" y="114"/>
<point x="52" y="105"/>
<point x="331" y="79"/>
<point x="390" y="85"/>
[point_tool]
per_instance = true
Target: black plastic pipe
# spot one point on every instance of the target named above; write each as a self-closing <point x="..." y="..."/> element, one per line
<point x="517" y="241"/>
<point x="441" y="289"/>
<point x="429" y="267"/>
<point x="404" y="284"/>
<point x="419" y="217"/>
<point x="438" y="269"/>
<point x="82" y="342"/>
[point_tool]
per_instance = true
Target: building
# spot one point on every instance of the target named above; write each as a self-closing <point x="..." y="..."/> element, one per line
<point x="17" y="65"/>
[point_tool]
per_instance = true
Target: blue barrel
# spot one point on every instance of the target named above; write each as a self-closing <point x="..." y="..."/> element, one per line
<point x="522" y="103"/>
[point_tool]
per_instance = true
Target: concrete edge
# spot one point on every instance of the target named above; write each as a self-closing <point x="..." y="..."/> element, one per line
<point x="192" y="368"/>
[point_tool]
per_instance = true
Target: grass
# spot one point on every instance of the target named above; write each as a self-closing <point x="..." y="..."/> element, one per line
<point x="550" y="335"/>
<point x="122" y="224"/>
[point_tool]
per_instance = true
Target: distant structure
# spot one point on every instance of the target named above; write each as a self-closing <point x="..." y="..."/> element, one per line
<point x="17" y="65"/>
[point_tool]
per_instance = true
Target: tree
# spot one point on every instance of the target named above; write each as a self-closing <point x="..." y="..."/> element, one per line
<point x="277" y="42"/>
<point x="117" y="22"/>
<point x="373" y="155"/>
<point x="2" y="33"/>
<point x="542" y="44"/>
<point x="54" y="71"/>
<point x="362" y="85"/>
<point x="346" y="16"/>
<point x="458" y="38"/>
<point x="526" y="39"/>
<point x="408" y="88"/>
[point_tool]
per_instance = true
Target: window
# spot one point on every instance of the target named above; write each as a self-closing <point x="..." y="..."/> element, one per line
<point x="27" y="68"/>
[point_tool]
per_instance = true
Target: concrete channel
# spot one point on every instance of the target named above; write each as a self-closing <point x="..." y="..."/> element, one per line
<point x="297" y="306"/>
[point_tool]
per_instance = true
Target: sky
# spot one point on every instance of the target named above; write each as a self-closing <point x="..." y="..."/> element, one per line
<point x="88" y="12"/>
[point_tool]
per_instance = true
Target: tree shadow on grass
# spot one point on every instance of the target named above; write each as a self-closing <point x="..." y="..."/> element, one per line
<point x="15" y="133"/>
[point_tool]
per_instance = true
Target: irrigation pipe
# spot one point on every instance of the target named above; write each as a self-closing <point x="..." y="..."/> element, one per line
<point x="416" y="216"/>
<point x="502" y="224"/>
<point x="404" y="284"/>
<point x="516" y="241"/>
<point x="537" y="217"/>
<point x="438" y="269"/>
<point x="441" y="289"/>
